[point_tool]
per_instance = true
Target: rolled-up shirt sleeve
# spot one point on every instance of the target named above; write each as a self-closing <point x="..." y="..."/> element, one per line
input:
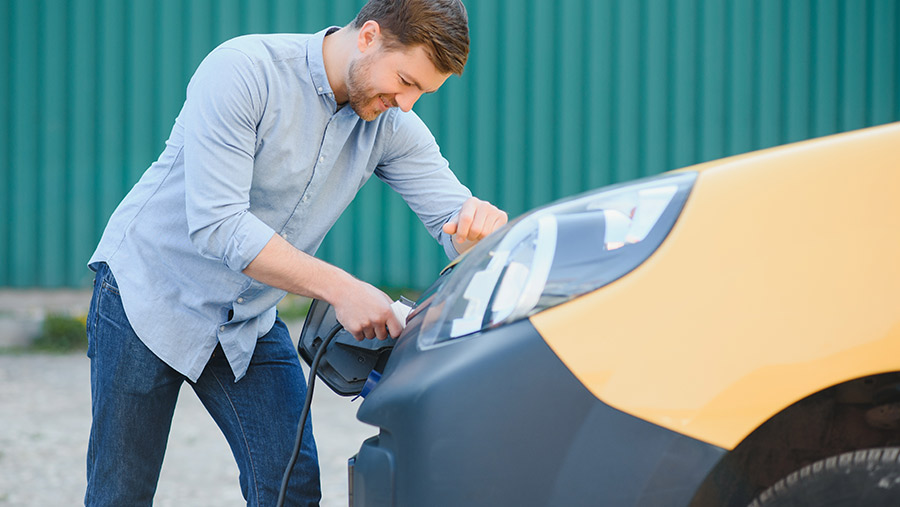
<point x="414" y="167"/>
<point x="224" y="102"/>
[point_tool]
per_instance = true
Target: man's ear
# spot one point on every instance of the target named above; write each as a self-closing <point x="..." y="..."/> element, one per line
<point x="369" y="36"/>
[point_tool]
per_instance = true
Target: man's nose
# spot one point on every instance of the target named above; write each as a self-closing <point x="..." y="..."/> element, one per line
<point x="407" y="99"/>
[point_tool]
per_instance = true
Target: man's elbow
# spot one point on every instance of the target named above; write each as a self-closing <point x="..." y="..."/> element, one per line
<point x="207" y="242"/>
<point x="233" y="241"/>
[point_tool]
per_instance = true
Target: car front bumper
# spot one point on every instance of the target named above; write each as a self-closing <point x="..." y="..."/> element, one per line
<point x="497" y="419"/>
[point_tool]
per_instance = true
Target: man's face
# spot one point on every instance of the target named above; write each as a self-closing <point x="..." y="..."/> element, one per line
<point x="380" y="79"/>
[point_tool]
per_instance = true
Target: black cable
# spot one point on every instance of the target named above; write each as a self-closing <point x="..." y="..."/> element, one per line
<point x="305" y="413"/>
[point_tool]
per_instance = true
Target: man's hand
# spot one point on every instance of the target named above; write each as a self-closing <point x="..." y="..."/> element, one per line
<point x="365" y="312"/>
<point x="476" y="219"/>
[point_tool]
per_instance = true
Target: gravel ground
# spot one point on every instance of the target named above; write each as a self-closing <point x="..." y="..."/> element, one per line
<point x="45" y="421"/>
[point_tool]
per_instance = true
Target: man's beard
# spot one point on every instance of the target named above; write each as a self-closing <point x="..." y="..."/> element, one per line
<point x="362" y="97"/>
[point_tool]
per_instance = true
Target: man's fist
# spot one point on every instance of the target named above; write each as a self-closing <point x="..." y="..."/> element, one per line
<point x="365" y="312"/>
<point x="476" y="219"/>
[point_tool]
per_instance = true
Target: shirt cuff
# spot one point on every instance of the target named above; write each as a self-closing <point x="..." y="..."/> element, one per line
<point x="249" y="238"/>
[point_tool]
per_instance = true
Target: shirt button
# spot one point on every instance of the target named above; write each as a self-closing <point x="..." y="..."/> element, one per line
<point x="322" y="159"/>
<point x="320" y="88"/>
<point x="240" y="300"/>
<point x="221" y="328"/>
<point x="284" y="235"/>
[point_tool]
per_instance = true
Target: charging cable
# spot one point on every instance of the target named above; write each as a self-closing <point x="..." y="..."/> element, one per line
<point x="305" y="413"/>
<point x="401" y="309"/>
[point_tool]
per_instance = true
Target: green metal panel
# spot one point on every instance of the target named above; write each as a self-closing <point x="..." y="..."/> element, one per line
<point x="627" y="46"/>
<point x="512" y="107"/>
<point x="883" y="49"/>
<point x="599" y="102"/>
<point x="82" y="138"/>
<point x="798" y="65"/>
<point x="826" y="65"/>
<point x="53" y="183"/>
<point x="111" y="178"/>
<point x="655" y="95"/>
<point x="6" y="143"/>
<point x="24" y="135"/>
<point x="558" y="97"/>
<point x="742" y="67"/>
<point x="542" y="99"/>
<point x="770" y="78"/>
<point x="569" y="118"/>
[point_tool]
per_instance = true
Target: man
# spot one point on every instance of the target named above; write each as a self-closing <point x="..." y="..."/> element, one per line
<point x="276" y="136"/>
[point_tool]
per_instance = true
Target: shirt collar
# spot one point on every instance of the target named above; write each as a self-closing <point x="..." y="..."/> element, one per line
<point x="317" y="62"/>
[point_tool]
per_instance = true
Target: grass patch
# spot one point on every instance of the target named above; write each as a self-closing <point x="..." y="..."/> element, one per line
<point x="61" y="333"/>
<point x="293" y="307"/>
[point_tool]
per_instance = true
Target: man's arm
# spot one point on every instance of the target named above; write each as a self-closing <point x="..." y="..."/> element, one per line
<point x="414" y="167"/>
<point x="362" y="309"/>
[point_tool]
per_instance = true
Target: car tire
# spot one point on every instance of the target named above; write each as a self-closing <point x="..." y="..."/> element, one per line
<point x="868" y="477"/>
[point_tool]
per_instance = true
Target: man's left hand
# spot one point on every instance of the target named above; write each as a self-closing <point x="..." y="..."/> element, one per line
<point x="476" y="219"/>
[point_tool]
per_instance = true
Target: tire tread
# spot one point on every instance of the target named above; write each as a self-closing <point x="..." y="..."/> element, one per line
<point x="842" y="463"/>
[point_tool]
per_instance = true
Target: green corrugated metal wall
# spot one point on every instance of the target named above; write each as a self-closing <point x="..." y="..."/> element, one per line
<point x="558" y="97"/>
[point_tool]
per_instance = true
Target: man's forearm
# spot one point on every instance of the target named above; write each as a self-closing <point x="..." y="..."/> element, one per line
<point x="362" y="309"/>
<point x="281" y="265"/>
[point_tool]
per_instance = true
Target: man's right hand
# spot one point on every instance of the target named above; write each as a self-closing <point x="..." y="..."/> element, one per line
<point x="365" y="311"/>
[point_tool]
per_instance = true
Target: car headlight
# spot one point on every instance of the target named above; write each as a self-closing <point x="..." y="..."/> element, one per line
<point x="553" y="254"/>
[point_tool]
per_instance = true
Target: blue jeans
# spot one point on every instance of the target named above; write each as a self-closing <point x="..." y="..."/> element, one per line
<point x="133" y="397"/>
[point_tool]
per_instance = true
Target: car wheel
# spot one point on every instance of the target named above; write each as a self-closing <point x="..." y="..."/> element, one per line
<point x="868" y="477"/>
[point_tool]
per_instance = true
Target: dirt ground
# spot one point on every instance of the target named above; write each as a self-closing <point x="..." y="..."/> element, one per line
<point x="45" y="420"/>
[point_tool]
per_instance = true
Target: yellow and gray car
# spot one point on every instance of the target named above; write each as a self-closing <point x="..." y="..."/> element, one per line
<point x="725" y="334"/>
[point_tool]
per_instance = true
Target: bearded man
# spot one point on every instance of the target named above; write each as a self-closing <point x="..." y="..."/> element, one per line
<point x="276" y="136"/>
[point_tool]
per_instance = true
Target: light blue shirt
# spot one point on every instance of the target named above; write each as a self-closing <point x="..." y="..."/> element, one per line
<point x="260" y="148"/>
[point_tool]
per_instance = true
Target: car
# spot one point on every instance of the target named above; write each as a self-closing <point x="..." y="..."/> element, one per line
<point x="723" y="334"/>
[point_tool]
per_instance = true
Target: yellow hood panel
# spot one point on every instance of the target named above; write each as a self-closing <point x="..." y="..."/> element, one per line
<point x="780" y="278"/>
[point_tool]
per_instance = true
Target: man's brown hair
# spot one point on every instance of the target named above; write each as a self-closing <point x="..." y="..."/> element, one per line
<point x="441" y="27"/>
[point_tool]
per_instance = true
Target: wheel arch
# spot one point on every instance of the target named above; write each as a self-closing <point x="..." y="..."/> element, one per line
<point x="856" y="414"/>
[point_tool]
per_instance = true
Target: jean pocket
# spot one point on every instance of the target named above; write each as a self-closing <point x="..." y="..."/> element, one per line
<point x="109" y="283"/>
<point x="110" y="287"/>
<point x="109" y="303"/>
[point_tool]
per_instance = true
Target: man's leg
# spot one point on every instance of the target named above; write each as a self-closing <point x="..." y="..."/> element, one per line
<point x="133" y="396"/>
<point x="259" y="416"/>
